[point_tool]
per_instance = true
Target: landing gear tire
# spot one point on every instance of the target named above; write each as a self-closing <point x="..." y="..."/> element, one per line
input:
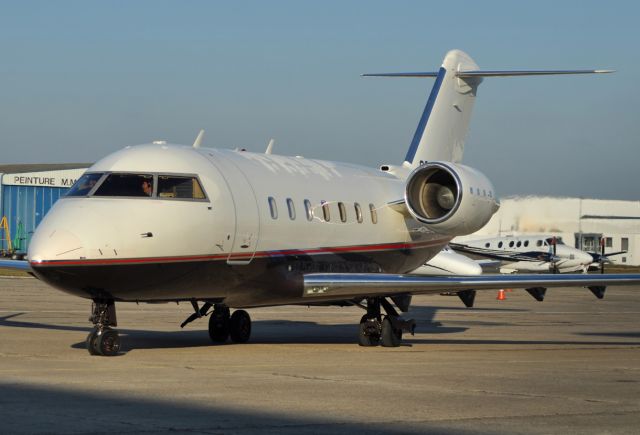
<point x="103" y="340"/>
<point x="108" y="343"/>
<point x="91" y="342"/>
<point x="219" y="325"/>
<point x="389" y="336"/>
<point x="240" y="326"/>
<point x="369" y="331"/>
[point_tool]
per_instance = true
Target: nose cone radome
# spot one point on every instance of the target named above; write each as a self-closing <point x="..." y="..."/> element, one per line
<point x="62" y="233"/>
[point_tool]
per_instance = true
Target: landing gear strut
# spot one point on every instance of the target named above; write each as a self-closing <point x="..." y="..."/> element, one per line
<point x="386" y="331"/>
<point x="103" y="340"/>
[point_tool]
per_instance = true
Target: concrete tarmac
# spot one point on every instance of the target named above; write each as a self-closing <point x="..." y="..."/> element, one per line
<point x="568" y="365"/>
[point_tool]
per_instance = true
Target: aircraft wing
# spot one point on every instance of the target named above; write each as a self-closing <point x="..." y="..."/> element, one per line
<point x="340" y="286"/>
<point x="502" y="255"/>
<point x="15" y="264"/>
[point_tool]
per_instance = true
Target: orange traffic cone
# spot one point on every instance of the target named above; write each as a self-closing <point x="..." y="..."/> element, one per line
<point x="501" y="295"/>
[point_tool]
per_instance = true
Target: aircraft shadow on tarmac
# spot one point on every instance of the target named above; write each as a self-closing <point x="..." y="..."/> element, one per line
<point x="306" y="332"/>
<point x="65" y="411"/>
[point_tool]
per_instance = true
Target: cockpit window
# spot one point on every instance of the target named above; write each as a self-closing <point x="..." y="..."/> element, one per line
<point x="171" y="186"/>
<point x="83" y="186"/>
<point x="126" y="185"/>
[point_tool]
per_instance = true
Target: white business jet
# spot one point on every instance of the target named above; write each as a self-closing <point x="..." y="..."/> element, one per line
<point x="226" y="229"/>
<point x="529" y="253"/>
<point x="449" y="262"/>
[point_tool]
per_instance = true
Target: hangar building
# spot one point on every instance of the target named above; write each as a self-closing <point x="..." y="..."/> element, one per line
<point x="580" y="222"/>
<point x="27" y="192"/>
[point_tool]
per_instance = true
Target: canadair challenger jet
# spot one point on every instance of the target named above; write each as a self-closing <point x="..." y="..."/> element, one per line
<point x="226" y="229"/>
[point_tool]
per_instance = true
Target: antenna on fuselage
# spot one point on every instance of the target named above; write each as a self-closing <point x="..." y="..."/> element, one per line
<point x="270" y="146"/>
<point x="198" y="141"/>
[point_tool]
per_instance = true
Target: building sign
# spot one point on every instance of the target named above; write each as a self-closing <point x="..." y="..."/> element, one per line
<point x="64" y="178"/>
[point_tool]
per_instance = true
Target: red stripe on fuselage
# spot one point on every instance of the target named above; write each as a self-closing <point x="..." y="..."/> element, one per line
<point x="262" y="254"/>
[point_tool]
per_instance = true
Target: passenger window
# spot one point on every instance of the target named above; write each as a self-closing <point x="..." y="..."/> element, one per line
<point x="511" y="244"/>
<point x="273" y="208"/>
<point x="343" y="212"/>
<point x="83" y="186"/>
<point x="487" y="245"/>
<point x="136" y="185"/>
<point x="499" y="244"/>
<point x="526" y="243"/>
<point x="518" y="244"/>
<point x="326" y="212"/>
<point x="539" y="243"/>
<point x="307" y="208"/>
<point x="171" y="186"/>
<point x="358" y="212"/>
<point x="292" y="209"/>
<point x="374" y="214"/>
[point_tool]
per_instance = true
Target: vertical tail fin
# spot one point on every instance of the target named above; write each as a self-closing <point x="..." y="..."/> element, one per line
<point x="445" y="120"/>
<point x="444" y="123"/>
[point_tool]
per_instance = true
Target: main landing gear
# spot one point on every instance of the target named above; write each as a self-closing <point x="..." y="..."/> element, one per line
<point x="386" y="331"/>
<point x="222" y="324"/>
<point x="103" y="340"/>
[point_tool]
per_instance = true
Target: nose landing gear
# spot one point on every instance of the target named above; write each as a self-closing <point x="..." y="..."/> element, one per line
<point x="103" y="340"/>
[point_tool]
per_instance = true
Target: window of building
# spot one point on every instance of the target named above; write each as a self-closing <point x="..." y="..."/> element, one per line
<point x="326" y="213"/>
<point x="308" y="210"/>
<point x="358" y="212"/>
<point x="471" y="190"/>
<point x="171" y="186"/>
<point x="374" y="214"/>
<point x="273" y="208"/>
<point x="292" y="209"/>
<point x="132" y="185"/>
<point x="84" y="185"/>
<point x="608" y="242"/>
<point x="624" y="244"/>
<point x="343" y="212"/>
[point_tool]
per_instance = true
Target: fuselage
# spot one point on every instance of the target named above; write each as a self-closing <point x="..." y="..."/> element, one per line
<point x="237" y="226"/>
<point x="529" y="253"/>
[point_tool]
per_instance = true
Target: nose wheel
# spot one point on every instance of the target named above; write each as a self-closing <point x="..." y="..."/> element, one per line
<point x="103" y="340"/>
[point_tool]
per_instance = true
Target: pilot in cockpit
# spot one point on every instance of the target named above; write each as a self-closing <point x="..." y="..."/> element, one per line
<point x="147" y="188"/>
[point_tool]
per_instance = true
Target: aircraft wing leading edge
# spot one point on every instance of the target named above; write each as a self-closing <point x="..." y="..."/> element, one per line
<point x="336" y="286"/>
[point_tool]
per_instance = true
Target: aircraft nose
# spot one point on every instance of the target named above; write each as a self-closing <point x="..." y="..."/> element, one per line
<point x="60" y="235"/>
<point x="50" y="243"/>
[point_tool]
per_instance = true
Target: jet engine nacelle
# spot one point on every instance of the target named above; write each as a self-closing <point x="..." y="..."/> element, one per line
<point x="450" y="198"/>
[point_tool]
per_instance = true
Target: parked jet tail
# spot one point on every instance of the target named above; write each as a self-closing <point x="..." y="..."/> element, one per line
<point x="443" y="127"/>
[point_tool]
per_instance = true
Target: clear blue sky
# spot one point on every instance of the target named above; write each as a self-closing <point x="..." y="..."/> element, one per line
<point x="81" y="79"/>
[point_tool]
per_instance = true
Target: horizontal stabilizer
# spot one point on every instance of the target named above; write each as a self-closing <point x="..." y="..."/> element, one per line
<point x="505" y="73"/>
